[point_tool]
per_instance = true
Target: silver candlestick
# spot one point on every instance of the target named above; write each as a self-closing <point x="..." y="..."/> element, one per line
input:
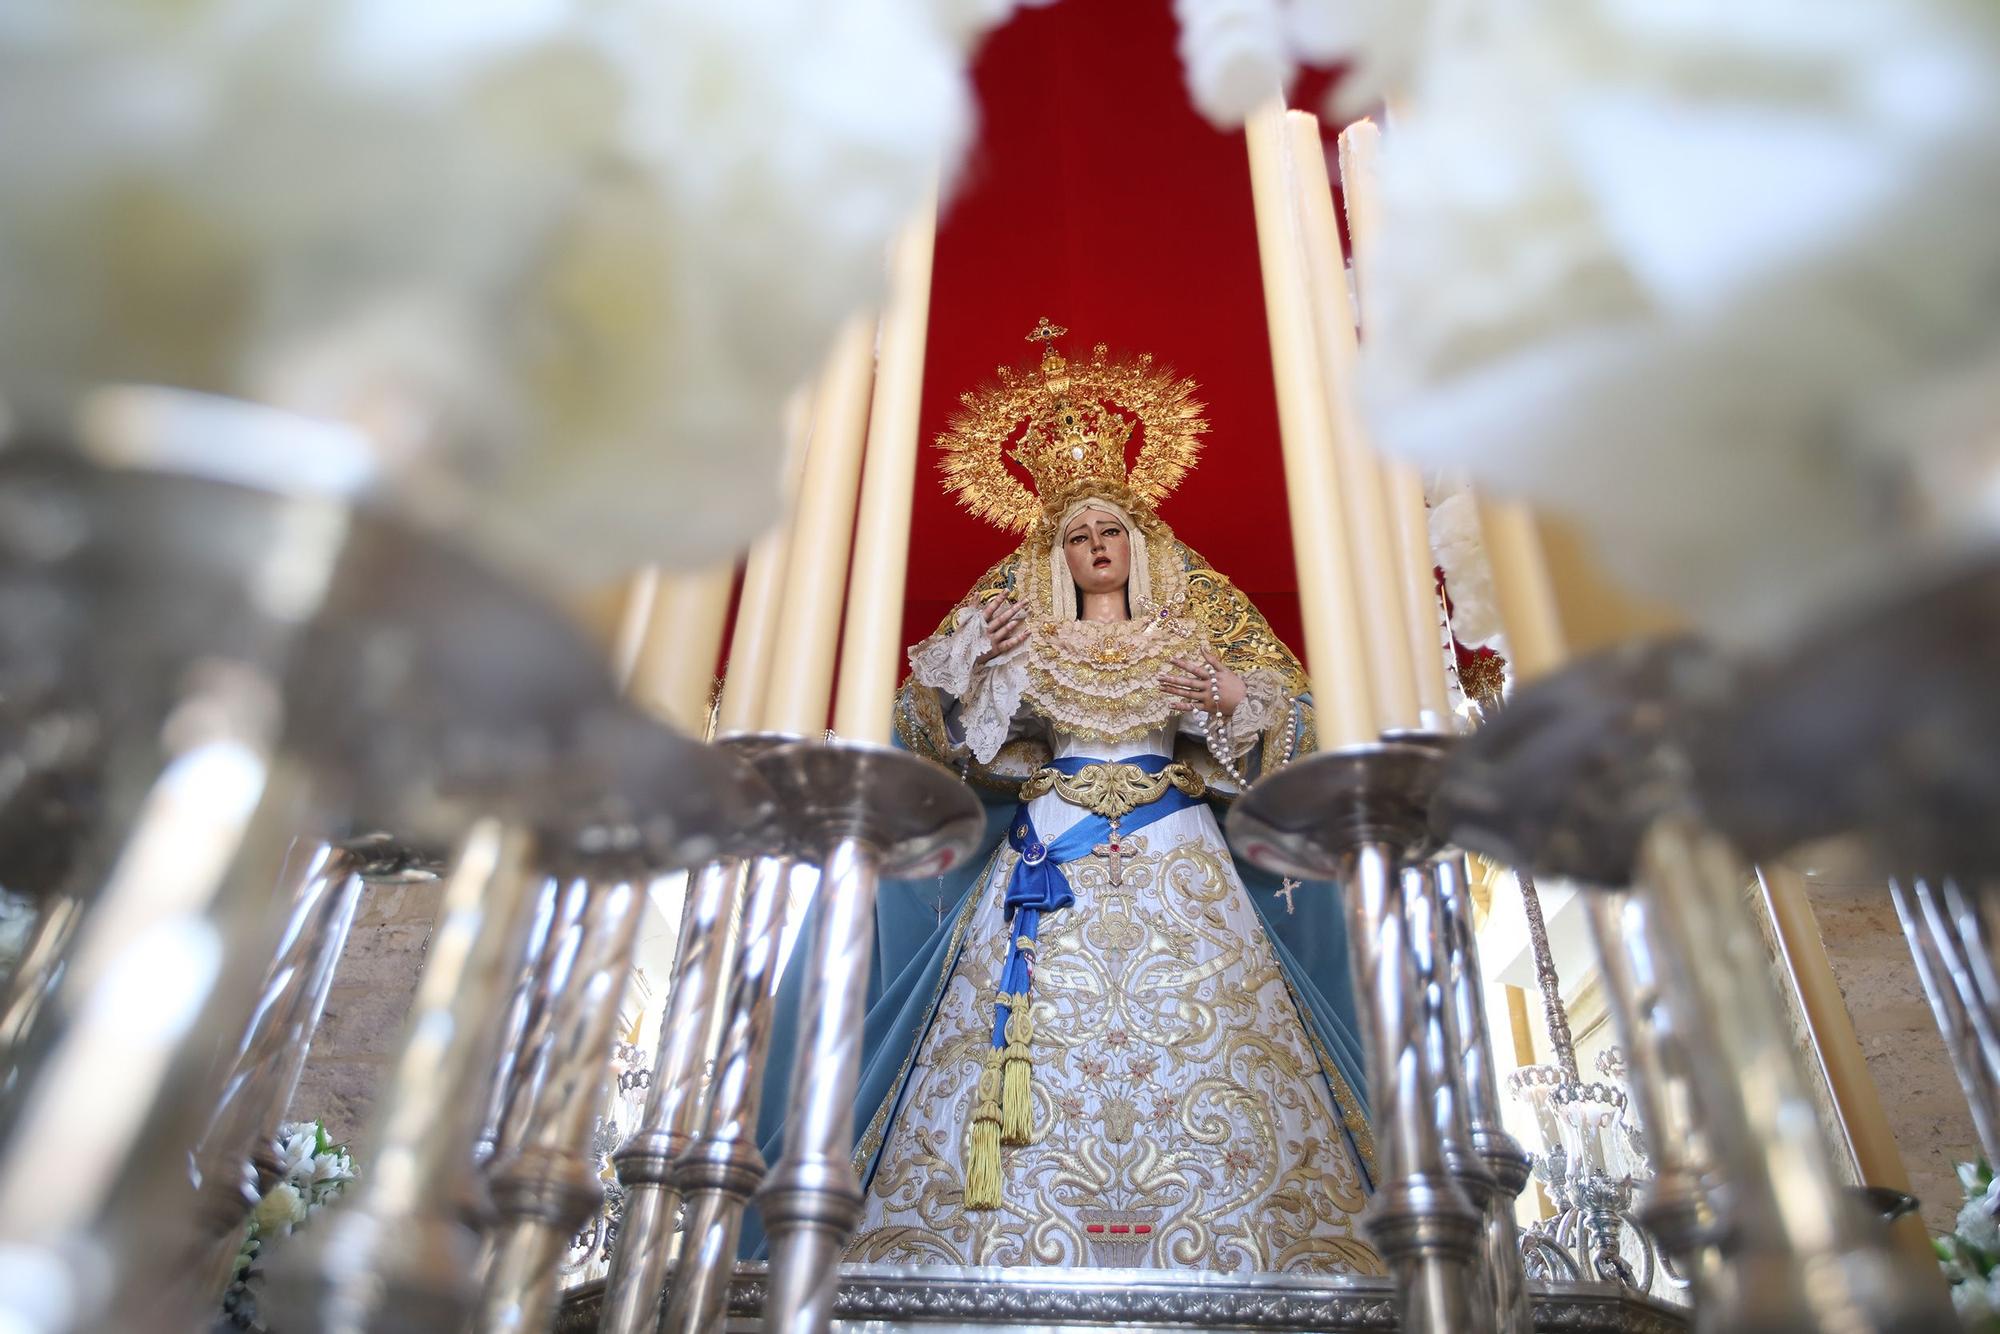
<point x="1355" y="816"/>
<point x="541" y="1180"/>
<point x="1506" y="1162"/>
<point x="865" y="811"/>
<point x="723" y="1167"/>
<point x="687" y="1064"/>
<point x="1951" y="942"/>
<point x="1584" y="775"/>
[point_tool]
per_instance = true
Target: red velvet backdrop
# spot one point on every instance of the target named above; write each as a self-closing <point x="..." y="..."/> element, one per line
<point x="1096" y="196"/>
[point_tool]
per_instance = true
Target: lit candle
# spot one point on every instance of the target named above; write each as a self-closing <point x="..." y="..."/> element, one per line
<point x="801" y="672"/>
<point x="871" y="647"/>
<point x="1327" y="603"/>
<point x="1402" y="484"/>
<point x="758" y="606"/>
<point x="1369" y="534"/>
<point x="674" y="667"/>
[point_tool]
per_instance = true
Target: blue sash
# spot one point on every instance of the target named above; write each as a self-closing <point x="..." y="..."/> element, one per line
<point x="1038" y="884"/>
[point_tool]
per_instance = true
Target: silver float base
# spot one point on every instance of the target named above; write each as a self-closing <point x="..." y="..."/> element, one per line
<point x="879" y="1299"/>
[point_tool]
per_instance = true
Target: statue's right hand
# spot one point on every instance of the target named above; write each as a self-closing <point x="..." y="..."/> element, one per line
<point x="1006" y="627"/>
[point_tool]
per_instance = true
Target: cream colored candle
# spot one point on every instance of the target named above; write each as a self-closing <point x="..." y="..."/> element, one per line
<point x="1402" y="484"/>
<point x="1369" y="534"/>
<point x="871" y="647"/>
<point x="674" y="667"/>
<point x="1521" y="589"/>
<point x="1360" y="146"/>
<point x="1327" y="601"/>
<point x="822" y="531"/>
<point x="748" y="676"/>
<point x="1421" y="610"/>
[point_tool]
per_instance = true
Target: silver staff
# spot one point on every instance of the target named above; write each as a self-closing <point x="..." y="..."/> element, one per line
<point x="550" y="899"/>
<point x="1356" y="815"/>
<point x="868" y="811"/>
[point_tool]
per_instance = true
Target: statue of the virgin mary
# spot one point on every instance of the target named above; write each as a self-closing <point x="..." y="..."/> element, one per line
<point x="1109" y="1044"/>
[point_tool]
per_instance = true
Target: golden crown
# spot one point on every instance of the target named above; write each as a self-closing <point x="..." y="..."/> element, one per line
<point x="1069" y="429"/>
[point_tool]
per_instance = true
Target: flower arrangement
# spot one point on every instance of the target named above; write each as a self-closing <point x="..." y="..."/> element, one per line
<point x="1742" y="329"/>
<point x="312" y="1171"/>
<point x="561" y="261"/>
<point x="1970" y="1253"/>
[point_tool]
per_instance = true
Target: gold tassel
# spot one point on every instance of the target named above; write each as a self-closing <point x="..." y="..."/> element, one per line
<point x="1017" y="1103"/>
<point x="982" y="1143"/>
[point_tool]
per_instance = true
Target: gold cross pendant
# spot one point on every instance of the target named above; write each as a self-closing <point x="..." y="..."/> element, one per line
<point x="1114" y="856"/>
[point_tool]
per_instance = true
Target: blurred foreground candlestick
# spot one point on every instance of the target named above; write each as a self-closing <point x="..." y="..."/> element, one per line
<point x="801" y="672"/>
<point x="1327" y="602"/>
<point x="1368" y="531"/>
<point x="871" y="648"/>
<point x="748" y="676"/>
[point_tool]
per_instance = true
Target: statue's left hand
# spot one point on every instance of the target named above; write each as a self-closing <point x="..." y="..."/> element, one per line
<point x="1189" y="684"/>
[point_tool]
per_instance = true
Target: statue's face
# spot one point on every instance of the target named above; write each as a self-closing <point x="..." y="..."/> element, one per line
<point x="1099" y="551"/>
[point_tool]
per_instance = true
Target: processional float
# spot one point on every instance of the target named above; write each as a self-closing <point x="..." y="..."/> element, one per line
<point x="206" y="662"/>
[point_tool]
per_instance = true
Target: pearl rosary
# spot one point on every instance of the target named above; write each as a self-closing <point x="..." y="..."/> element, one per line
<point x="1216" y="729"/>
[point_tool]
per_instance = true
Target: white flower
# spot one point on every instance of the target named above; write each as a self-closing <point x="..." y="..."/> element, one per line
<point x="564" y="260"/>
<point x="297" y="1143"/>
<point x="281" y="1209"/>
<point x="1717" y="281"/>
<point x="1978" y="1227"/>
<point x="1974" y="1300"/>
<point x="1972" y="1178"/>
<point x="1468" y="576"/>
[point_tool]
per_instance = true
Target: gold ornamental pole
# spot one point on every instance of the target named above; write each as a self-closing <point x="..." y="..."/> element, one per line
<point x="752" y="641"/>
<point x="1369" y="534"/>
<point x="822" y="532"/>
<point x="1402" y="483"/>
<point x="1342" y="694"/>
<point x="871" y="647"/>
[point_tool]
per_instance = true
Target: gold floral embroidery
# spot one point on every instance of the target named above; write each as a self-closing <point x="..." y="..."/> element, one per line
<point x="1180" y="1116"/>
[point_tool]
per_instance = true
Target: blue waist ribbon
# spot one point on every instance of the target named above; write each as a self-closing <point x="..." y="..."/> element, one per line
<point x="1038" y="884"/>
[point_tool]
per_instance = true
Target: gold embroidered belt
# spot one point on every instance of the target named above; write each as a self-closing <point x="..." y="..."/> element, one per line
<point x="1113" y="790"/>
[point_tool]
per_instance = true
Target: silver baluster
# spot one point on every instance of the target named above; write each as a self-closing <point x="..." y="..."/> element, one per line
<point x="689" y="1033"/>
<point x="720" y="1171"/>
<point x="398" y="1253"/>
<point x="1443" y="1085"/>
<point x="1356" y="814"/>
<point x="1506" y="1161"/>
<point x="1678" y="1206"/>
<point x="1948" y="941"/>
<point x="1803" y="1256"/>
<point x="542" y="928"/>
<point x="236" y="1161"/>
<point x="869" y="810"/>
<point x="541" y="1180"/>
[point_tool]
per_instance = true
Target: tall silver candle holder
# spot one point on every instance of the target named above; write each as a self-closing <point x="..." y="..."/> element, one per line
<point x="861" y="812"/>
<point x="1358" y="816"/>
<point x="1585" y="775"/>
<point x="727" y="928"/>
<point x="1505" y="1161"/>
